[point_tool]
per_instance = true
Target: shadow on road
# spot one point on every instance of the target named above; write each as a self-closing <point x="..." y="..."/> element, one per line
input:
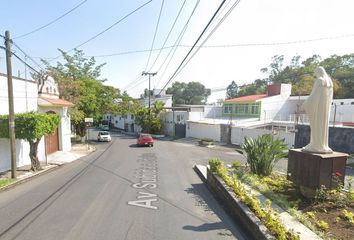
<point x="205" y="199"/>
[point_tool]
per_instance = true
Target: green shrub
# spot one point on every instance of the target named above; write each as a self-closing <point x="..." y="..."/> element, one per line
<point x="236" y="165"/>
<point x="215" y="163"/>
<point x="267" y="215"/>
<point x="262" y="153"/>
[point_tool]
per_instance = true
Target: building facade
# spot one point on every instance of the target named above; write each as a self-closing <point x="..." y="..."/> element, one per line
<point x="32" y="96"/>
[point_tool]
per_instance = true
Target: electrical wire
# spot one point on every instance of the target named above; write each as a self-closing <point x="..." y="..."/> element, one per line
<point x="51" y="22"/>
<point x="24" y="62"/>
<point x="200" y="36"/>
<point x="105" y="30"/>
<point x="26" y="55"/>
<point x="210" y="34"/>
<point x="137" y="81"/>
<point x="179" y="38"/>
<point x="176" y="44"/>
<point x="168" y="35"/>
<point x="217" y="46"/>
<point x="156" y="29"/>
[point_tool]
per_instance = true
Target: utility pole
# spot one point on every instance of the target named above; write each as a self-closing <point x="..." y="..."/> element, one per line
<point x="150" y="74"/>
<point x="11" y="104"/>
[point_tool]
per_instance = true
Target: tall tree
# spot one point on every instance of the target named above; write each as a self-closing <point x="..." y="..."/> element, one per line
<point x="232" y="90"/>
<point x="189" y="93"/>
<point x="257" y="87"/>
<point x="79" y="82"/>
<point x="143" y="119"/>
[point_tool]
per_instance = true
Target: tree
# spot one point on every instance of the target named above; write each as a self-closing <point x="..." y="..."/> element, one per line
<point x="146" y="93"/>
<point x="79" y="82"/>
<point x="232" y="90"/>
<point x="31" y="127"/>
<point x="257" y="87"/>
<point x="142" y="117"/>
<point x="188" y="93"/>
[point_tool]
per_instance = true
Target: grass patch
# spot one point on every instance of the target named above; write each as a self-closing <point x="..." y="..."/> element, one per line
<point x="5" y="182"/>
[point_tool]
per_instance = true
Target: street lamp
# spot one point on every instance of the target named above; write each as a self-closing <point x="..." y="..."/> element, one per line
<point x="150" y="74"/>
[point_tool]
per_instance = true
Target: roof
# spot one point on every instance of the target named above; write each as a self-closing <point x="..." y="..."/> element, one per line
<point x="247" y="98"/>
<point x="55" y="102"/>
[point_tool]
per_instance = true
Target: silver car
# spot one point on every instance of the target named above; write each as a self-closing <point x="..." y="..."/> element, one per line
<point x="104" y="136"/>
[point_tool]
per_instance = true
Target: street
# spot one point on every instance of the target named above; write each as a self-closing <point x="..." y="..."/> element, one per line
<point x="121" y="192"/>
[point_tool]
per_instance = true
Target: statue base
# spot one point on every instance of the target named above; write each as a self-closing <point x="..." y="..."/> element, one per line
<point x="312" y="170"/>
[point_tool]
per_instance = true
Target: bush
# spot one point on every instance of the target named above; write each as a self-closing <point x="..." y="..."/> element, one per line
<point x="262" y="153"/>
<point x="215" y="163"/>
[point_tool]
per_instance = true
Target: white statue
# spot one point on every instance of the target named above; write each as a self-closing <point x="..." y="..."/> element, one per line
<point x="317" y="107"/>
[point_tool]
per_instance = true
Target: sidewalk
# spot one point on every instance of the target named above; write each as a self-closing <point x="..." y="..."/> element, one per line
<point x="54" y="160"/>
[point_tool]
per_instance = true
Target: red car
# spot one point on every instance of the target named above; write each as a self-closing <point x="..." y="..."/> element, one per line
<point x="145" y="139"/>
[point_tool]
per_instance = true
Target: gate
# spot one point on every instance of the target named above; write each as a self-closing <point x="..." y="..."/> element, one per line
<point x="52" y="142"/>
<point x="180" y="130"/>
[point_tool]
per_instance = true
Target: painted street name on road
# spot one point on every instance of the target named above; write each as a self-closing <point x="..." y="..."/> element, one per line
<point x="147" y="176"/>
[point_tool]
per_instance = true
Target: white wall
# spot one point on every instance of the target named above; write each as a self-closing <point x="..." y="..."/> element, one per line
<point x="203" y="130"/>
<point x="24" y="101"/>
<point x="211" y="111"/>
<point x="344" y="110"/>
<point x="238" y="135"/>
<point x="271" y="106"/>
<point x="22" y="153"/>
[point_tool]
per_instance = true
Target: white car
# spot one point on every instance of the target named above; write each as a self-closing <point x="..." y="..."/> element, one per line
<point x="104" y="136"/>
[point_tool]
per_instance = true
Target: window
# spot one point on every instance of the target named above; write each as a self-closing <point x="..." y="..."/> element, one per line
<point x="241" y="108"/>
<point x="227" y="108"/>
<point x="341" y="103"/>
<point x="132" y="117"/>
<point x="255" y="109"/>
<point x="352" y="103"/>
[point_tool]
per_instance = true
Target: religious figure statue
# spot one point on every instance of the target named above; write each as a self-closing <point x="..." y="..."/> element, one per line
<point x="317" y="107"/>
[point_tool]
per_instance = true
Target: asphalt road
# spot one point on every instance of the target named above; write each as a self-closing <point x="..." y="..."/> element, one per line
<point x="121" y="192"/>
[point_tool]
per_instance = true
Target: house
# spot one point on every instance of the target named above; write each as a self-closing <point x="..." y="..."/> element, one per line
<point x="258" y="107"/>
<point x="32" y="96"/>
<point x="127" y="123"/>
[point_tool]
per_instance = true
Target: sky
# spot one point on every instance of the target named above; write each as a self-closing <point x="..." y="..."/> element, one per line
<point x="236" y="49"/>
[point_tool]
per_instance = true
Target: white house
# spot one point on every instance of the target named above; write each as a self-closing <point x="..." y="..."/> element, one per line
<point x="127" y="123"/>
<point x="32" y="96"/>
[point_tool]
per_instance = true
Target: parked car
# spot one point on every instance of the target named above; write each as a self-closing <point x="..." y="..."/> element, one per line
<point x="104" y="136"/>
<point x="145" y="139"/>
<point x="105" y="128"/>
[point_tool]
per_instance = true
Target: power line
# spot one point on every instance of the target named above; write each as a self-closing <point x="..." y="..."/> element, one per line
<point x="26" y="55"/>
<point x="176" y="49"/>
<point x="204" y="30"/>
<point x="168" y="35"/>
<point x="135" y="82"/>
<point x="218" y="46"/>
<point x="51" y="22"/>
<point x="179" y="38"/>
<point x="210" y="34"/>
<point x="24" y="62"/>
<point x="105" y="30"/>
<point x="156" y="28"/>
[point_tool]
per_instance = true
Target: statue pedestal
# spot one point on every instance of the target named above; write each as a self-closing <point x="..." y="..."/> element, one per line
<point x="311" y="170"/>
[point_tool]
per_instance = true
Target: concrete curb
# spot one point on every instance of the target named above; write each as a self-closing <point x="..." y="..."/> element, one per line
<point x="54" y="166"/>
<point x="238" y="211"/>
<point x="28" y="178"/>
<point x="242" y="214"/>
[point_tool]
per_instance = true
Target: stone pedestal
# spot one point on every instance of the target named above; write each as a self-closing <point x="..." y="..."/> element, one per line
<point x="311" y="170"/>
